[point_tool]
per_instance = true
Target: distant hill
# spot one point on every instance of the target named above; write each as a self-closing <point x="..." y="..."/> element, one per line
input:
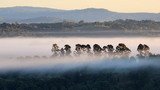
<point x="41" y="20"/>
<point x="48" y="15"/>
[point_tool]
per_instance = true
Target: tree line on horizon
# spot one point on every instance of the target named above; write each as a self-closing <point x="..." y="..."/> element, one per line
<point x="121" y="25"/>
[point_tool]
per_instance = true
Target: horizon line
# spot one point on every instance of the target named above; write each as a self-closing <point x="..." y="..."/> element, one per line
<point x="78" y="9"/>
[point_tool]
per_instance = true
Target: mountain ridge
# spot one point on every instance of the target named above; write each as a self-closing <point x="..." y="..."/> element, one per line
<point x="22" y="13"/>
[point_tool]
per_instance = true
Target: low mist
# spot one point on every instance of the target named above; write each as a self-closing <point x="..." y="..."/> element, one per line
<point x="11" y="48"/>
<point x="64" y="64"/>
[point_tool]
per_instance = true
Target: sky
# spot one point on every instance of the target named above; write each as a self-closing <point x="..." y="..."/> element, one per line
<point x="113" y="5"/>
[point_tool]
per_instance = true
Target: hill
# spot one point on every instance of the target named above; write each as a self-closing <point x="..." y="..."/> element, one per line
<point x="30" y="15"/>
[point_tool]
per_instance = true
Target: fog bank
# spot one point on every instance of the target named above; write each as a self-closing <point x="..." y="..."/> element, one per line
<point x="61" y="65"/>
<point x="16" y="47"/>
<point x="11" y="48"/>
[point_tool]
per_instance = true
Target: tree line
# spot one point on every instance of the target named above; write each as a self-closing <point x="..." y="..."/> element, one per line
<point x="121" y="25"/>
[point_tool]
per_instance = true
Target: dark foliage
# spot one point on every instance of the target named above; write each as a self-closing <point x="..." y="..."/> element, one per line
<point x="147" y="78"/>
<point x="16" y="29"/>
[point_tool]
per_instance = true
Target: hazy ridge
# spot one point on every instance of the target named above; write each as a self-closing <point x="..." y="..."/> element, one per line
<point x="38" y="14"/>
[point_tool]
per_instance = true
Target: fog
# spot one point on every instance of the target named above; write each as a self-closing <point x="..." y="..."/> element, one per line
<point x="61" y="65"/>
<point x="15" y="47"/>
<point x="11" y="48"/>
